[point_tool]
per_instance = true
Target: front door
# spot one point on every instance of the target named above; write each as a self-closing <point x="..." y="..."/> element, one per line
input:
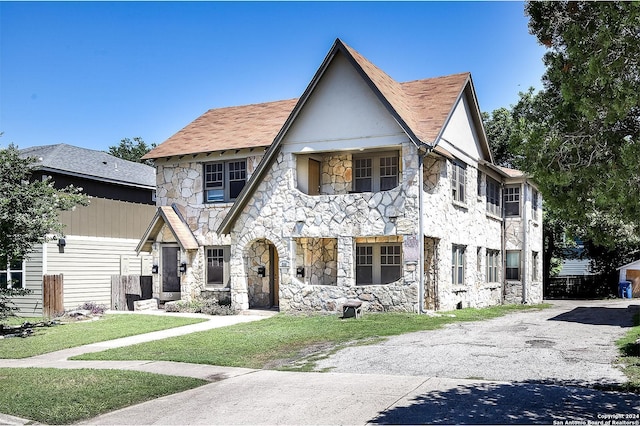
<point x="170" y="277"/>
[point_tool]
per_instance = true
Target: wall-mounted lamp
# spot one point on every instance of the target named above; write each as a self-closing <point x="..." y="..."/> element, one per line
<point x="183" y="267"/>
<point x="154" y="269"/>
<point x="262" y="271"/>
<point x="61" y="244"/>
<point x="300" y="271"/>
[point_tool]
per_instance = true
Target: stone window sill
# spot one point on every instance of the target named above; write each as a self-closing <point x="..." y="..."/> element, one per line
<point x="213" y="288"/>
<point x="458" y="288"/>
<point x="494" y="217"/>
<point x="492" y="286"/>
<point x="460" y="205"/>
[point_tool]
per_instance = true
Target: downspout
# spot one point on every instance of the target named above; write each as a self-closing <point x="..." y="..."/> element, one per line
<point x="423" y="151"/>
<point x="503" y="243"/>
<point x="525" y="242"/>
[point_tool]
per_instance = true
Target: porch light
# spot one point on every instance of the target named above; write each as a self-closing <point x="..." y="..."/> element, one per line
<point x="183" y="267"/>
<point x="262" y="271"/>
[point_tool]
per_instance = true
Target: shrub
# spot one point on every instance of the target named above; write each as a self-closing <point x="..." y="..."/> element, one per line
<point x="7" y="307"/>
<point x="93" y="307"/>
<point x="208" y="306"/>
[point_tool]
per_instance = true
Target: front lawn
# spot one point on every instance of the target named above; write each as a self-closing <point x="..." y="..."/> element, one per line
<point x="290" y="342"/>
<point x="114" y="326"/>
<point x="630" y="355"/>
<point x="53" y="396"/>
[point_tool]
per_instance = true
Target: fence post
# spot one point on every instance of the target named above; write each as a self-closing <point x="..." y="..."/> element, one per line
<point x="52" y="295"/>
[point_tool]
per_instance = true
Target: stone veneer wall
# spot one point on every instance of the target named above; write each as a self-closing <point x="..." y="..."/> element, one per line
<point x="283" y="215"/>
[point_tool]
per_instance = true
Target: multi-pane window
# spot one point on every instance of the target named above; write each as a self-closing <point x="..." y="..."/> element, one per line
<point x="217" y="266"/>
<point x="457" y="264"/>
<point x="493" y="266"/>
<point x="535" y="269"/>
<point x="493" y="196"/>
<point x="458" y="176"/>
<point x="224" y="180"/>
<point x="12" y="275"/>
<point x="534" y="204"/>
<point x="512" y="201"/>
<point x="513" y="265"/>
<point x="377" y="173"/>
<point x="378" y="263"/>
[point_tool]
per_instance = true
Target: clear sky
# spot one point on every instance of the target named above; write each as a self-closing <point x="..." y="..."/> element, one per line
<point x="92" y="73"/>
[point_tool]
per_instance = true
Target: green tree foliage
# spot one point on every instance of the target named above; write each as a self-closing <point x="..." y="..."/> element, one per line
<point x="581" y="133"/>
<point x="29" y="208"/>
<point x="132" y="150"/>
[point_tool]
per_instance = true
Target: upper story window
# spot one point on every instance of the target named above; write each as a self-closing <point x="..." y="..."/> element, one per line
<point x="512" y="200"/>
<point x="493" y="196"/>
<point x="12" y="275"/>
<point x="458" y="177"/>
<point x="378" y="263"/>
<point x="534" y="204"/>
<point x="223" y="180"/>
<point x="376" y="173"/>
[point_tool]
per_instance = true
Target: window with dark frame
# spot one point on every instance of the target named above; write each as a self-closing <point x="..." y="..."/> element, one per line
<point x="493" y="196"/>
<point x="217" y="266"/>
<point x="512" y="200"/>
<point x="378" y="263"/>
<point x="458" y="177"/>
<point x="376" y="173"/>
<point x="12" y="275"/>
<point x="457" y="264"/>
<point x="224" y="180"/>
<point x="513" y="265"/>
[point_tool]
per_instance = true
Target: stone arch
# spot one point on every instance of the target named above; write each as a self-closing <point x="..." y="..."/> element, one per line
<point x="261" y="260"/>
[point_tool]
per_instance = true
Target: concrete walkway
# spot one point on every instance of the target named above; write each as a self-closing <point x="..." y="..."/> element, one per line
<point x="247" y="396"/>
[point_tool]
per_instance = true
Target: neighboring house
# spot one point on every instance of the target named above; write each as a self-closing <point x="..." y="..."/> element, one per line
<point x="575" y="263"/>
<point x="363" y="188"/>
<point x="99" y="239"/>
<point x="631" y="272"/>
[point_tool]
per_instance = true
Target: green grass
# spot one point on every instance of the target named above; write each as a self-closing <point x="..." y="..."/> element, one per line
<point x="49" y="339"/>
<point x="630" y="355"/>
<point x="289" y="342"/>
<point x="53" y="396"/>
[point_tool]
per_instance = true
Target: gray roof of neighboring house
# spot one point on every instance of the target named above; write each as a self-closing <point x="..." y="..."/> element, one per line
<point x="91" y="164"/>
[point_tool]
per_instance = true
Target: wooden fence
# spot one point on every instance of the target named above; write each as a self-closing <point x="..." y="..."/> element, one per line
<point x="52" y="295"/>
<point x="126" y="289"/>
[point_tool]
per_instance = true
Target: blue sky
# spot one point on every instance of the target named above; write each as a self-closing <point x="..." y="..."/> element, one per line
<point x="92" y="73"/>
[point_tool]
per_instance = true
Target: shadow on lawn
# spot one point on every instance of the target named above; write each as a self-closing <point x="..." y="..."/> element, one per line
<point x="514" y="403"/>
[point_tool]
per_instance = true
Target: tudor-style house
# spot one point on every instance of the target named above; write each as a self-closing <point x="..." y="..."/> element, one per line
<point x="363" y="188"/>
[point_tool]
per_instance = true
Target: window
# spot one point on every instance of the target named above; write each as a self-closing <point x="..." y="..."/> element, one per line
<point x="378" y="263"/>
<point x="374" y="174"/>
<point x="513" y="265"/>
<point x="535" y="270"/>
<point x="493" y="196"/>
<point x="534" y="204"/>
<point x="12" y="275"/>
<point x="493" y="266"/>
<point x="512" y="201"/>
<point x="457" y="264"/>
<point x="224" y="180"/>
<point x="458" y="181"/>
<point x="217" y="266"/>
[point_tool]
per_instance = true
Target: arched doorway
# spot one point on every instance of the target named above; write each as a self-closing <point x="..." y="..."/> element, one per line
<point x="262" y="274"/>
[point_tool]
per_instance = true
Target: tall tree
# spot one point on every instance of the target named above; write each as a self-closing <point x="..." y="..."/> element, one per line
<point x="581" y="133"/>
<point x="132" y="150"/>
<point x="29" y="208"/>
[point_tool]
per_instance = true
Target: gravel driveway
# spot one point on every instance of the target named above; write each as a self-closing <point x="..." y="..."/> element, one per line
<point x="574" y="341"/>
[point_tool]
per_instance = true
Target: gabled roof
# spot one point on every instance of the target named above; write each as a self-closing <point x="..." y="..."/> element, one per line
<point x="90" y="164"/>
<point x="421" y="108"/>
<point x="170" y="216"/>
<point x="247" y="126"/>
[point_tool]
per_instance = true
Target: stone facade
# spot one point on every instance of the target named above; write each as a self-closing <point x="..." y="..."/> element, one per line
<point x="297" y="251"/>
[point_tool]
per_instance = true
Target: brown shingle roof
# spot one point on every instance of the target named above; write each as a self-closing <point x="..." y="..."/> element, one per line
<point x="422" y="107"/>
<point x="246" y="126"/>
